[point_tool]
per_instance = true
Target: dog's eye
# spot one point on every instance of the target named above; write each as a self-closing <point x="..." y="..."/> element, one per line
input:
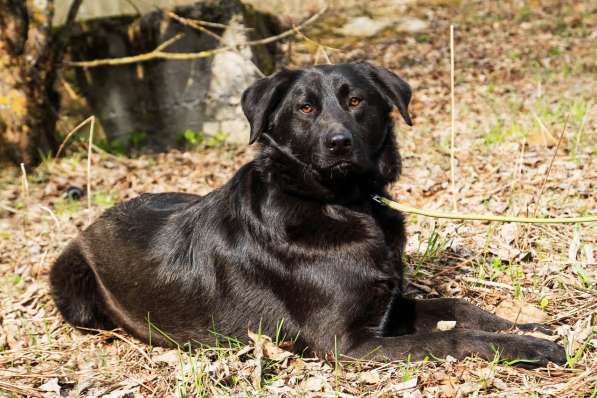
<point x="354" y="102"/>
<point x="307" y="108"/>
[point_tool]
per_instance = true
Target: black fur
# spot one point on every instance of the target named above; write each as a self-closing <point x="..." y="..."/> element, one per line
<point x="294" y="236"/>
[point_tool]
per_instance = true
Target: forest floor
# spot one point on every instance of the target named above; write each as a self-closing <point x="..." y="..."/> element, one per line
<point x="521" y="72"/>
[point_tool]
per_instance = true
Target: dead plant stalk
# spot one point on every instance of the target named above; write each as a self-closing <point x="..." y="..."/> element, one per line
<point x="453" y="118"/>
<point x="548" y="171"/>
<point x="89" y="149"/>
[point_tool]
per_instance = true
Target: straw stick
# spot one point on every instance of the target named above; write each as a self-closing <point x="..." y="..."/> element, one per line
<point x="453" y="114"/>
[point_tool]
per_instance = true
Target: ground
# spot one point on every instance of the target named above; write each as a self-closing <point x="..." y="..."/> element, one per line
<point x="525" y="143"/>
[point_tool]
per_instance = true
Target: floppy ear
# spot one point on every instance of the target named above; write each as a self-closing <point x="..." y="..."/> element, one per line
<point x="392" y="87"/>
<point x="261" y="98"/>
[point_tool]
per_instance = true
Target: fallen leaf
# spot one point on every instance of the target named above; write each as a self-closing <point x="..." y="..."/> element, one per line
<point x="51" y="386"/>
<point x="268" y="349"/>
<point x="518" y="312"/>
<point x="313" y="384"/>
<point x="574" y="246"/>
<point x="170" y="357"/>
<point x="451" y="359"/>
<point x="370" y="377"/>
<point x="509" y="232"/>
<point x="405" y="385"/>
<point x="541" y="138"/>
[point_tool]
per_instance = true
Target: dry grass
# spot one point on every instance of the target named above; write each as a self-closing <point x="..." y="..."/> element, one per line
<point x="519" y="73"/>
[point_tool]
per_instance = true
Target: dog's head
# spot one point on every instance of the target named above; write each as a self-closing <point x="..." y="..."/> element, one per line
<point x="332" y="121"/>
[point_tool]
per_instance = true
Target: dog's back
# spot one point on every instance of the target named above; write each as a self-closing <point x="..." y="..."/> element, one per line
<point x="80" y="297"/>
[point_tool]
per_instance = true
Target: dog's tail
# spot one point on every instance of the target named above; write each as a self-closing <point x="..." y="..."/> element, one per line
<point x="75" y="291"/>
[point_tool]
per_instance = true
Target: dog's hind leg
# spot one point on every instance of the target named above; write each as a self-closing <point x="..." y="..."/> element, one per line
<point x="75" y="291"/>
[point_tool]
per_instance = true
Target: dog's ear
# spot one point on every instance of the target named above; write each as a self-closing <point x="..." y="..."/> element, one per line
<point x="260" y="99"/>
<point x="389" y="163"/>
<point x="392" y="87"/>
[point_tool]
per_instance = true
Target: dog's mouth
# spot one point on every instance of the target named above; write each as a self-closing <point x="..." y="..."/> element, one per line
<point x="342" y="165"/>
<point x="340" y="168"/>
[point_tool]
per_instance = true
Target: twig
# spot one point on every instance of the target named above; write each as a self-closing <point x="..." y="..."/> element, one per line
<point x="168" y="42"/>
<point x="129" y="342"/>
<point x="197" y="21"/>
<point x="486" y="283"/>
<point x="53" y="216"/>
<point x="157" y="53"/>
<point x="25" y="185"/>
<point x="196" y="25"/>
<point x="21" y="390"/>
<point x="453" y="115"/>
<point x="546" y="133"/>
<point x="321" y="50"/>
<point x="482" y="217"/>
<point x="315" y="42"/>
<point x="8" y="209"/>
<point x="121" y="159"/>
<point x="555" y="152"/>
<point x="89" y="149"/>
<point x="84" y="122"/>
<point x="193" y="24"/>
<point x="289" y="32"/>
<point x="581" y="127"/>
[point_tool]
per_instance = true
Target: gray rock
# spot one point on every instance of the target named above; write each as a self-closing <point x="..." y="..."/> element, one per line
<point x="411" y="24"/>
<point x="163" y="98"/>
<point x="367" y="27"/>
<point x="364" y="27"/>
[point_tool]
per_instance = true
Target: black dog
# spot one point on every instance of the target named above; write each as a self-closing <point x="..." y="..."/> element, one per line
<point x="293" y="237"/>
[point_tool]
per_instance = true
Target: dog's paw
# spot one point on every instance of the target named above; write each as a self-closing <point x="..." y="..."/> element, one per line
<point x="528" y="351"/>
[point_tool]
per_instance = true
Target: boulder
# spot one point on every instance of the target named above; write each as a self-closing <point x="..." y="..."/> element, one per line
<point x="161" y="99"/>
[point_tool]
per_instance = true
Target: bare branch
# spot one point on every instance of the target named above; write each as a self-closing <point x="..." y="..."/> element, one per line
<point x="157" y="53"/>
<point x="63" y="34"/>
<point x="289" y="32"/>
<point x="194" y="24"/>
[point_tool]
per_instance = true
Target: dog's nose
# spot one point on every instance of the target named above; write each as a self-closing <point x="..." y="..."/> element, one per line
<point x="339" y="143"/>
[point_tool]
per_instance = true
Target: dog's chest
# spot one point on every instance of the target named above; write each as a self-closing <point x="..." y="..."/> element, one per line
<point x="335" y="228"/>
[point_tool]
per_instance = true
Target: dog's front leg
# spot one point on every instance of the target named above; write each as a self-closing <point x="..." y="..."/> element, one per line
<point x="408" y="316"/>
<point x="466" y="315"/>
<point x="460" y="343"/>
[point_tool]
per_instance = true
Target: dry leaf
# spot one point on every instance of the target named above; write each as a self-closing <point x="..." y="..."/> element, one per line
<point x="370" y="377"/>
<point x="170" y="357"/>
<point x="518" y="312"/>
<point x="406" y="385"/>
<point x="267" y="348"/>
<point x="51" y="386"/>
<point x="313" y="383"/>
<point x="509" y="232"/>
<point x="541" y="138"/>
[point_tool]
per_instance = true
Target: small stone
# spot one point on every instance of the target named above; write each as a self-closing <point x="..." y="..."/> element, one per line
<point x="446" y="325"/>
